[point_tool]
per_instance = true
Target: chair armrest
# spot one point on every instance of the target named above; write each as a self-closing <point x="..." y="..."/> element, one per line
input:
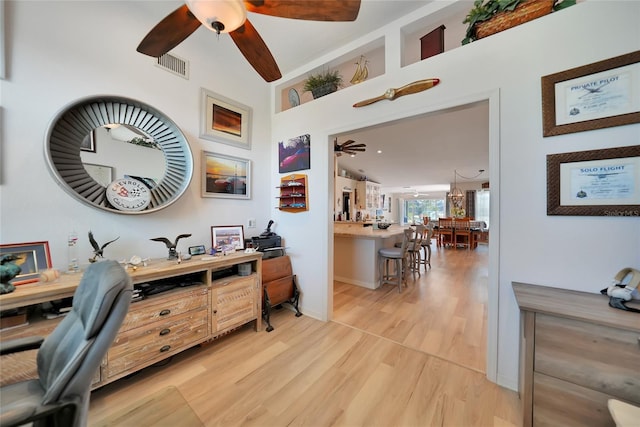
<point x="20" y="344"/>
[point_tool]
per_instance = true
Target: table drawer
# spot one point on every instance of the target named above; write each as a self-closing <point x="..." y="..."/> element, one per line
<point x="165" y="306"/>
<point x="157" y="340"/>
<point x="597" y="357"/>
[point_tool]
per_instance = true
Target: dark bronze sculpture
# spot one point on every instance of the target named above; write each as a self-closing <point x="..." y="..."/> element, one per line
<point x="173" y="254"/>
<point x="97" y="249"/>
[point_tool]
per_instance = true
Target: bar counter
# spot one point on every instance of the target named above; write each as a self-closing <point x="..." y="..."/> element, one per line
<point x="355" y="251"/>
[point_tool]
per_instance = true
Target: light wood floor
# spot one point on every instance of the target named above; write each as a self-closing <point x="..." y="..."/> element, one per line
<point x="383" y="362"/>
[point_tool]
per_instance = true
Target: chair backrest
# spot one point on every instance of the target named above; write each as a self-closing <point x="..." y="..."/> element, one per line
<point x="71" y="355"/>
<point x="418" y="236"/>
<point x="462" y="224"/>
<point x="406" y="240"/>
<point x="445" y="223"/>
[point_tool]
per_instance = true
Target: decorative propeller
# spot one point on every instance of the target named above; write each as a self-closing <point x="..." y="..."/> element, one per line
<point x="347" y="147"/>
<point x="230" y="16"/>
<point x="391" y="94"/>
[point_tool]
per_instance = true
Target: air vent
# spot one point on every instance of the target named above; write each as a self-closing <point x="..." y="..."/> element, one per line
<point x="174" y="64"/>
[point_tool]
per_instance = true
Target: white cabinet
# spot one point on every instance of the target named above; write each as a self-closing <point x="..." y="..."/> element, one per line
<point x="368" y="195"/>
<point x="343" y="185"/>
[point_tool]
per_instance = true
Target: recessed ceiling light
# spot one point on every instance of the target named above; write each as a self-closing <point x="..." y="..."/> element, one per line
<point x="379" y="151"/>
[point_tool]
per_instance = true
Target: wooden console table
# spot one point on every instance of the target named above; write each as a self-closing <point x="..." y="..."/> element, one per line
<point x="576" y="353"/>
<point x="166" y="323"/>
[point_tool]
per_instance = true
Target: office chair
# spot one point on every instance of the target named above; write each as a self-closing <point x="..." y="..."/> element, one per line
<point x="69" y="358"/>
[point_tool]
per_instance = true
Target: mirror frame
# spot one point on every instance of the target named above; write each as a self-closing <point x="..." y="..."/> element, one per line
<point x="76" y="120"/>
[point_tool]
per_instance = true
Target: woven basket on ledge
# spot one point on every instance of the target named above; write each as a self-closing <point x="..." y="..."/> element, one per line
<point x="526" y="11"/>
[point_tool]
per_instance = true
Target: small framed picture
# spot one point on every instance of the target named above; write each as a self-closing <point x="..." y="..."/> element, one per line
<point x="197" y="250"/>
<point x="32" y="258"/>
<point x="225" y="176"/>
<point x="224" y="120"/>
<point x="89" y="142"/>
<point x="227" y="238"/>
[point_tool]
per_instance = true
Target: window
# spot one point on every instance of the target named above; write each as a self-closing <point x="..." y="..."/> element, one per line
<point x="416" y="209"/>
<point x="482" y="206"/>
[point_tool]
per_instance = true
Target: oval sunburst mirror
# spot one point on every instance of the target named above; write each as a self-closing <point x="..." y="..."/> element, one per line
<point x="100" y="140"/>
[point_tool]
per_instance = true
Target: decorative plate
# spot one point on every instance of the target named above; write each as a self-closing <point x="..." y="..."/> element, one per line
<point x="294" y="98"/>
<point x="128" y="194"/>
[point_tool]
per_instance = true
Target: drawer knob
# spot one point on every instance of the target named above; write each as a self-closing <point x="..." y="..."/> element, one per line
<point x="165" y="348"/>
<point x="165" y="312"/>
<point x="215" y="311"/>
<point x="165" y="331"/>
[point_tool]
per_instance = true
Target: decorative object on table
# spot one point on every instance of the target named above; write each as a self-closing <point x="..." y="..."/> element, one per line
<point x="323" y="83"/>
<point x="231" y="17"/>
<point x="33" y="259"/>
<point x="620" y="293"/>
<point x="227" y="238"/>
<point x="173" y="254"/>
<point x="224" y="120"/>
<point x="594" y="96"/>
<point x="383" y="225"/>
<point x="348" y="147"/>
<point x="489" y="17"/>
<point x="225" y="176"/>
<point x="295" y="154"/>
<point x="392" y="94"/>
<point x="595" y="182"/>
<point x="49" y="275"/>
<point x="8" y="271"/>
<point x="98" y="251"/>
<point x="362" y="72"/>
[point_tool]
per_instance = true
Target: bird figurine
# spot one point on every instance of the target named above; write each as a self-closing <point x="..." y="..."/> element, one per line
<point x="98" y="251"/>
<point x="171" y="245"/>
<point x="8" y="270"/>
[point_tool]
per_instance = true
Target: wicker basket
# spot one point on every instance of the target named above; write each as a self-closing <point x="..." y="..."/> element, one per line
<point x="526" y="11"/>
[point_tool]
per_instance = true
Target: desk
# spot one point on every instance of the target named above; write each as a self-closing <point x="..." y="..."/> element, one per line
<point x="355" y="252"/>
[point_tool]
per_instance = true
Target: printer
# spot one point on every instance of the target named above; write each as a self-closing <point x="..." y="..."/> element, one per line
<point x="269" y="243"/>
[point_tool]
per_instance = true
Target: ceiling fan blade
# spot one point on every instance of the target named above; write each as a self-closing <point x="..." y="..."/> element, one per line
<point x="355" y="146"/>
<point x="169" y="32"/>
<point x="256" y="51"/>
<point x="316" y="10"/>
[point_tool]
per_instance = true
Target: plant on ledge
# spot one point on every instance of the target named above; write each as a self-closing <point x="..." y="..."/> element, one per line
<point x="323" y="83"/>
<point x="485" y="10"/>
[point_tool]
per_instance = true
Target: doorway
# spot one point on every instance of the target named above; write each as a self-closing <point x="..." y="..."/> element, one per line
<point x="490" y="322"/>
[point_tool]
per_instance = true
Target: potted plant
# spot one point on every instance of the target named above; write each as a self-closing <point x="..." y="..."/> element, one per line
<point x="491" y="16"/>
<point x="323" y="83"/>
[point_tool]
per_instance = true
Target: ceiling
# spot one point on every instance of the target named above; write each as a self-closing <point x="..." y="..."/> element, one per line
<point x="421" y="152"/>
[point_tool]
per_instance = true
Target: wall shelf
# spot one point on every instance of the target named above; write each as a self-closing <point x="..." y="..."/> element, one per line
<point x="293" y="193"/>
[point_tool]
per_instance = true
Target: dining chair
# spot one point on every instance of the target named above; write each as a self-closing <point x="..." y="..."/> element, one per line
<point x="415" y="248"/>
<point x="463" y="233"/>
<point x="446" y="232"/>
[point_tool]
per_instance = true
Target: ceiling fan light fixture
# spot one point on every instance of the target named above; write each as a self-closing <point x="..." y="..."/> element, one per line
<point x="220" y="16"/>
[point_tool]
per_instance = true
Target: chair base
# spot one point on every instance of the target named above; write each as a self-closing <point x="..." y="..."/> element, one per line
<point x="397" y="278"/>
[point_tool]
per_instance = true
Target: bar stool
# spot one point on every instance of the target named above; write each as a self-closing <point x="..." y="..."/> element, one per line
<point x="426" y="247"/>
<point x="399" y="256"/>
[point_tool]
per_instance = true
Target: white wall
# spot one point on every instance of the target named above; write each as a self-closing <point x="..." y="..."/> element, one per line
<point x="581" y="253"/>
<point x="59" y="51"/>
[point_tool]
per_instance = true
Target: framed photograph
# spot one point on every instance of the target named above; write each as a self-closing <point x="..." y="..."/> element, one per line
<point x="227" y="238"/>
<point x="294" y="154"/>
<point x="225" y="176"/>
<point x="197" y="250"/>
<point x="89" y="142"/>
<point x="594" y="96"/>
<point x="594" y="183"/>
<point x="224" y="120"/>
<point x="33" y="259"/>
<point x="102" y="174"/>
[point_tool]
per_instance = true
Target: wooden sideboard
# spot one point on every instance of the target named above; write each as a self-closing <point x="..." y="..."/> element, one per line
<point x="166" y="323"/>
<point x="576" y="353"/>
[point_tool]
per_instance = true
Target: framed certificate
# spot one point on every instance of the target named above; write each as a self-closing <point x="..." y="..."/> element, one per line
<point x="594" y="183"/>
<point x="594" y="96"/>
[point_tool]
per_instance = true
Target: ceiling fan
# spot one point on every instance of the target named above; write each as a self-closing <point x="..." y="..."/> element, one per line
<point x="347" y="147"/>
<point x="230" y="16"/>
